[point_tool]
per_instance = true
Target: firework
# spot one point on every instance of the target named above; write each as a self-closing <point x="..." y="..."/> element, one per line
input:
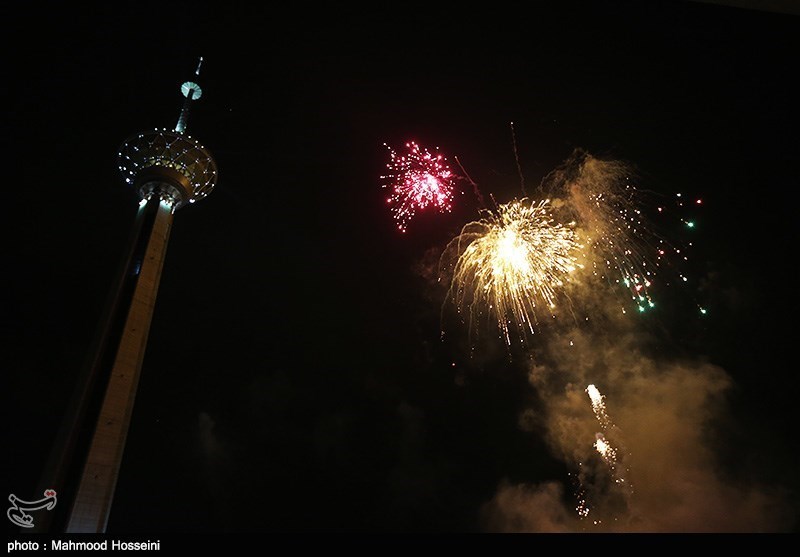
<point x="418" y="180"/>
<point x="599" y="406"/>
<point x="603" y="446"/>
<point x="621" y="247"/>
<point x="607" y="451"/>
<point x="511" y="265"/>
<point x="603" y="493"/>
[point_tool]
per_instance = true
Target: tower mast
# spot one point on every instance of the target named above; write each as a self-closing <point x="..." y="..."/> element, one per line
<point x="191" y="91"/>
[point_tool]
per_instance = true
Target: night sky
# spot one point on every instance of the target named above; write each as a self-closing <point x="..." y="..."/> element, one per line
<point x="296" y="378"/>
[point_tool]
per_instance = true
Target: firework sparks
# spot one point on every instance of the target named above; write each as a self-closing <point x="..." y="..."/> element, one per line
<point x="582" y="506"/>
<point x="511" y="264"/>
<point x="599" y="406"/>
<point x="603" y="493"/>
<point x="608" y="452"/>
<point x="621" y="248"/>
<point x="418" y="180"/>
<point x="603" y="446"/>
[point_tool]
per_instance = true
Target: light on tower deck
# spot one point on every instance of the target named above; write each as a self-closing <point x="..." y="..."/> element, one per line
<point x="170" y="162"/>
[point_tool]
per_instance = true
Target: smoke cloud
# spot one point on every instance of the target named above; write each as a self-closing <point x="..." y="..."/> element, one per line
<point x="667" y="413"/>
<point x="665" y="417"/>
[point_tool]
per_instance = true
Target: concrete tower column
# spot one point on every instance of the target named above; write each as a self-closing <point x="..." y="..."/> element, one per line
<point x="92" y="502"/>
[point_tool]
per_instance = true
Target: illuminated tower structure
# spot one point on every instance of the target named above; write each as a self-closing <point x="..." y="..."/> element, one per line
<point x="168" y="169"/>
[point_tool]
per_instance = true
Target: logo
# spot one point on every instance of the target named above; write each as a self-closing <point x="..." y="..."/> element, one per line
<point x="16" y="512"/>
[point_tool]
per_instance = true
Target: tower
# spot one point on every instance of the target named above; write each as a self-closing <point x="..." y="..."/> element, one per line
<point x="169" y="170"/>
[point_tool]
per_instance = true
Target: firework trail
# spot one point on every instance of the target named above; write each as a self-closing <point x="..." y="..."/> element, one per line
<point x="510" y="266"/>
<point x="475" y="189"/>
<point x="418" y="180"/>
<point x="516" y="159"/>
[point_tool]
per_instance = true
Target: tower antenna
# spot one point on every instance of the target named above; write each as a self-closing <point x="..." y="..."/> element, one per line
<point x="191" y="91"/>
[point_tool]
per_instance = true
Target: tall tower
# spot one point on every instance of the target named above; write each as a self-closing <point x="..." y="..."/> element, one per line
<point x="169" y="170"/>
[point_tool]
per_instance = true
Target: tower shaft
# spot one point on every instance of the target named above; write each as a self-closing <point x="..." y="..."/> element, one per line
<point x="92" y="502"/>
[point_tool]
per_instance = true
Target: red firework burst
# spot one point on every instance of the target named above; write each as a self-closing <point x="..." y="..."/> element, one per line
<point x="418" y="180"/>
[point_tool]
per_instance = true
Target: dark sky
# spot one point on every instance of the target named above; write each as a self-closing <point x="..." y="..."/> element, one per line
<point x="296" y="379"/>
